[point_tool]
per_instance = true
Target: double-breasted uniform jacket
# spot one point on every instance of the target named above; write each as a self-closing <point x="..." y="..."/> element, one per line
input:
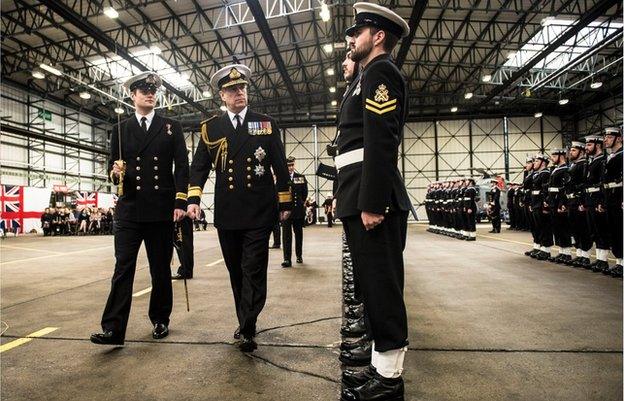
<point x="372" y="115"/>
<point x="471" y="196"/>
<point x="493" y="199"/>
<point x="539" y="189"/>
<point x="299" y="190"/>
<point x="245" y="195"/>
<point x="150" y="189"/>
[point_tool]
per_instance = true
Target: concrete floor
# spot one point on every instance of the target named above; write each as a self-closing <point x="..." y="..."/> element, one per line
<point x="486" y="323"/>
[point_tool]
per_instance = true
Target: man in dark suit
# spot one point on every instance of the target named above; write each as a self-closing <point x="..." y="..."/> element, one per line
<point x="372" y="201"/>
<point x="144" y="149"/>
<point x="299" y="189"/>
<point x="242" y="146"/>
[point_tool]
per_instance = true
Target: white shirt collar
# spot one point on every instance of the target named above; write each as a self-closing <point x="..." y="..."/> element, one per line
<point x="232" y="116"/>
<point x="149" y="117"/>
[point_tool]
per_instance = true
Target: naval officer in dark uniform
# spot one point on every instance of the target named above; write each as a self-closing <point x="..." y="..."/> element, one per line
<point x="242" y="146"/>
<point x="299" y="190"/>
<point x="153" y="198"/>
<point x="372" y="201"/>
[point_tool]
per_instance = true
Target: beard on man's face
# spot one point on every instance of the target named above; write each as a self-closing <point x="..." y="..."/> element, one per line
<point x="360" y="53"/>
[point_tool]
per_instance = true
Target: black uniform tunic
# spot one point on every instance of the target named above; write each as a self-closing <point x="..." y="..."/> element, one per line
<point x="612" y="185"/>
<point x="298" y="186"/>
<point x="575" y="192"/>
<point x="594" y="196"/>
<point x="557" y="203"/>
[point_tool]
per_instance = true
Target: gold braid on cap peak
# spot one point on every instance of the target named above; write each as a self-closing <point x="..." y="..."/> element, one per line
<point x="220" y="144"/>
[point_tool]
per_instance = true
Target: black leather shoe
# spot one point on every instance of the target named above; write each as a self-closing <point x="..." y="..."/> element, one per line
<point x="564" y="259"/>
<point x="106" y="338"/>
<point x="237" y="333"/>
<point x="247" y="344"/>
<point x="299" y="259"/>
<point x="600" y="266"/>
<point x="354" y="312"/>
<point x="349" y="345"/>
<point x="572" y="262"/>
<point x="471" y="239"/>
<point x="378" y="388"/>
<point x="348" y="288"/>
<point x="179" y="276"/>
<point x="360" y="356"/>
<point x="287" y="263"/>
<point x="355" y="329"/>
<point x="350" y="299"/>
<point x="616" y="271"/>
<point x="160" y="331"/>
<point x="584" y="262"/>
<point x="352" y="378"/>
<point x="542" y="255"/>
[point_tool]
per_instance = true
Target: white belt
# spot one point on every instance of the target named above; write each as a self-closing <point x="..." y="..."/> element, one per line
<point x="466" y="199"/>
<point x="536" y="192"/>
<point x="570" y="196"/>
<point x="592" y="189"/>
<point x="553" y="189"/>
<point x="351" y="157"/>
<point x="612" y="185"/>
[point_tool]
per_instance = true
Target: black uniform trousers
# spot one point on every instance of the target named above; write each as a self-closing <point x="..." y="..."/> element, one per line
<point x="496" y="219"/>
<point x="288" y="226"/>
<point x="614" y="218"/>
<point x="542" y="227"/>
<point x="471" y="220"/>
<point x="277" y="238"/>
<point x="158" y="238"/>
<point x="599" y="226"/>
<point x="246" y="255"/>
<point x="580" y="229"/>
<point x="378" y="270"/>
<point x="561" y="229"/>
<point x="185" y="253"/>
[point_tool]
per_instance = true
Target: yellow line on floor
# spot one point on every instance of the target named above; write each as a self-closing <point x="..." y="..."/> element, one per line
<point x="55" y="255"/>
<point x="28" y="338"/>
<point x="216" y="262"/>
<point x="142" y="292"/>
<point x="22" y="248"/>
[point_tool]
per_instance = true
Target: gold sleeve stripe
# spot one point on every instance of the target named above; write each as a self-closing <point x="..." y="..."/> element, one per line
<point x="381" y="105"/>
<point x="196" y="187"/>
<point x="195" y="191"/>
<point x="284" y="197"/>
<point x="380" y="112"/>
<point x="181" y="195"/>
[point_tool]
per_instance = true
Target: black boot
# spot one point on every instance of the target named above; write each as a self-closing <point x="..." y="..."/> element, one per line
<point x="564" y="259"/>
<point x="542" y="255"/>
<point x="616" y="271"/>
<point x="354" y="329"/>
<point x="347" y="346"/>
<point x="360" y="356"/>
<point x="352" y="378"/>
<point x="354" y="312"/>
<point x="378" y="388"/>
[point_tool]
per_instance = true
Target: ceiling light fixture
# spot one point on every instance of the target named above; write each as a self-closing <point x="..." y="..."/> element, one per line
<point x="206" y="94"/>
<point x="468" y="95"/>
<point x="334" y="103"/>
<point x="563" y="102"/>
<point x="332" y="89"/>
<point x="453" y="109"/>
<point x="328" y="48"/>
<point x="596" y="85"/>
<point x="85" y="95"/>
<point x="537" y="115"/>
<point x="486" y="78"/>
<point x="324" y="13"/>
<point x="37" y="74"/>
<point x="330" y="71"/>
<point x="51" y="69"/>
<point x="119" y="110"/>
<point x="110" y="12"/>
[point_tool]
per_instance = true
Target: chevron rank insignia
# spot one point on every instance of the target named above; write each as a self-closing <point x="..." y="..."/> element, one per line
<point x="382" y="103"/>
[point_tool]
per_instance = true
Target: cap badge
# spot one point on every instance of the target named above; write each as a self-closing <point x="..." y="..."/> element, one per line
<point x="234" y="74"/>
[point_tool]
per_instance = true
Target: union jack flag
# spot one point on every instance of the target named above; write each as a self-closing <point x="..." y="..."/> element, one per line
<point x="84" y="198"/>
<point x="12" y="200"/>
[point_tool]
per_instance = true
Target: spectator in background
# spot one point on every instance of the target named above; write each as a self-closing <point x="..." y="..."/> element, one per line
<point x="83" y="219"/>
<point x="329" y="210"/>
<point x="46" y="222"/>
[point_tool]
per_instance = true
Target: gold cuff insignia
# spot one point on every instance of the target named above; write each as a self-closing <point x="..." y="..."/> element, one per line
<point x="284" y="197"/>
<point x="194" y="191"/>
<point x="181" y="195"/>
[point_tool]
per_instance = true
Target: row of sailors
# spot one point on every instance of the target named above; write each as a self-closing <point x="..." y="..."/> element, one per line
<point x="577" y="200"/>
<point x="451" y="208"/>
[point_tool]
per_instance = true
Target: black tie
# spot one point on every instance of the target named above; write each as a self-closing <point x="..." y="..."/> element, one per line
<point x="144" y="124"/>
<point x="238" y="121"/>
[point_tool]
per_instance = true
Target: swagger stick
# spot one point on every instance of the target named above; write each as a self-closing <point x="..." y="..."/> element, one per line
<point x="177" y="243"/>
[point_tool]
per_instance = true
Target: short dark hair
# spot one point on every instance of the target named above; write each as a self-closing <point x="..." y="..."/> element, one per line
<point x="390" y="40"/>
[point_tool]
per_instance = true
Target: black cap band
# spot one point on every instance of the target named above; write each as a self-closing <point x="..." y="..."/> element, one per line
<point x="377" y="21"/>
